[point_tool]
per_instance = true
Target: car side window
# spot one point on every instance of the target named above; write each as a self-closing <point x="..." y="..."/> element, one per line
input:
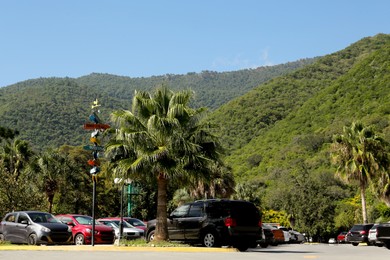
<point x="22" y="217"/>
<point x="196" y="210"/>
<point x="10" y="218"/>
<point x="180" y="212"/>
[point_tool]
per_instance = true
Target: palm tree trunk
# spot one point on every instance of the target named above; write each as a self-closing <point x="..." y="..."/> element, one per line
<point x="364" y="208"/>
<point x="161" y="225"/>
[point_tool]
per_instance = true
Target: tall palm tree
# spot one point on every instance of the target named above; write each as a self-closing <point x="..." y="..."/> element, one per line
<point x="162" y="138"/>
<point x="360" y="156"/>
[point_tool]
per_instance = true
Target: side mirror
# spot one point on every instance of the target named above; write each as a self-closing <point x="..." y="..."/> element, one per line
<point x="24" y="222"/>
<point x="70" y="223"/>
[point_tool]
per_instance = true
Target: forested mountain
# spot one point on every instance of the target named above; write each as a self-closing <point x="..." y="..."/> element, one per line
<point x="293" y="118"/>
<point x="49" y="112"/>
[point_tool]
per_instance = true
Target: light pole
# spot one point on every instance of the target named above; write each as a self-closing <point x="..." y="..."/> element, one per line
<point x="123" y="184"/>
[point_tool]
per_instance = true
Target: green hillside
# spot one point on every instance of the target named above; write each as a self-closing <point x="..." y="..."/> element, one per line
<point x="256" y="112"/>
<point x="356" y="86"/>
<point x="50" y="111"/>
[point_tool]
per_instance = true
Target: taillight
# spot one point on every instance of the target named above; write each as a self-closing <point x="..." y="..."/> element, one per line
<point x="230" y="222"/>
<point x="260" y="223"/>
<point x="363" y="232"/>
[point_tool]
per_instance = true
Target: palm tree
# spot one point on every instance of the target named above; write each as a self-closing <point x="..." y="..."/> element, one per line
<point x="15" y="157"/>
<point x="360" y="156"/>
<point x="162" y="139"/>
<point x="51" y="167"/>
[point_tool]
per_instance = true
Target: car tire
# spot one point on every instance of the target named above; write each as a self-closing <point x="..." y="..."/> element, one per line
<point x="210" y="239"/>
<point x="242" y="247"/>
<point x="79" y="240"/>
<point x="32" y="239"/>
<point x="263" y="245"/>
<point x="355" y="244"/>
<point x="151" y="236"/>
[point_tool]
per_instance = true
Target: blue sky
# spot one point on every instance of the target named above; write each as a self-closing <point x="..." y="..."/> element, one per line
<point x="73" y="38"/>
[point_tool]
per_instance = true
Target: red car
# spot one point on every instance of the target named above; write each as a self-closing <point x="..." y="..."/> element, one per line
<point x="81" y="226"/>
<point x="341" y="237"/>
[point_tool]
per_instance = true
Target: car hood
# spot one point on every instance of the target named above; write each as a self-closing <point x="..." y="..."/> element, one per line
<point x="55" y="226"/>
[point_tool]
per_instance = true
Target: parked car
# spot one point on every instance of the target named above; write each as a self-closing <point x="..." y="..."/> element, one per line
<point x="81" y="226"/>
<point x="214" y="223"/>
<point x="358" y="234"/>
<point x="383" y="234"/>
<point x="268" y="237"/>
<point x="129" y="232"/>
<point x="135" y="222"/>
<point x="296" y="237"/>
<point x="34" y="228"/>
<point x="341" y="237"/>
<point x="372" y="236"/>
<point x="286" y="234"/>
<point x="278" y="234"/>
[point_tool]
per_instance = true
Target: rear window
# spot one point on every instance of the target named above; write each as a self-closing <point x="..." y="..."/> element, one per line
<point x="361" y="227"/>
<point x="245" y="213"/>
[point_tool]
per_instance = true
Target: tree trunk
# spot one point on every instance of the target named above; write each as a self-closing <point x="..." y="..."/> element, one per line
<point x="161" y="225"/>
<point x="50" y="200"/>
<point x="364" y="208"/>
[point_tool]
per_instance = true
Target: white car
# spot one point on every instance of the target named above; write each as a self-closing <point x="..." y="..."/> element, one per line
<point x="372" y="236"/>
<point x="129" y="232"/>
<point x="286" y="233"/>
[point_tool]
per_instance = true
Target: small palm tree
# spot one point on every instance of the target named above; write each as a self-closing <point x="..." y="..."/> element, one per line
<point x="162" y="138"/>
<point x="360" y="156"/>
<point x="51" y="169"/>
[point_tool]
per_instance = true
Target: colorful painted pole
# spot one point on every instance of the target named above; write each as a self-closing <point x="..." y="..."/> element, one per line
<point x="97" y="126"/>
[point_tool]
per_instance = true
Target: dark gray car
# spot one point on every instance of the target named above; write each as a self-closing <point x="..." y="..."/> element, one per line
<point x="34" y="227"/>
<point x="214" y="223"/>
<point x="358" y="234"/>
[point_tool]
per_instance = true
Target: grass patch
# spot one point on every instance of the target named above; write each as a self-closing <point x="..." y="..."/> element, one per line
<point x="5" y="243"/>
<point x="143" y="243"/>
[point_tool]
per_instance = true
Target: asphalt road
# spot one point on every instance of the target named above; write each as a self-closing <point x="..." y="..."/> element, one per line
<point x="283" y="252"/>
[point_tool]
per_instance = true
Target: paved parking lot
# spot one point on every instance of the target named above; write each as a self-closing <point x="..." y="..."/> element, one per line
<point x="285" y="252"/>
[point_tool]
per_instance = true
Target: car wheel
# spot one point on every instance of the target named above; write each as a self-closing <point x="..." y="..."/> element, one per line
<point x="79" y="240"/>
<point x="151" y="236"/>
<point x="209" y="239"/>
<point x="263" y="245"/>
<point x="242" y="247"/>
<point x="32" y="239"/>
<point x="355" y="244"/>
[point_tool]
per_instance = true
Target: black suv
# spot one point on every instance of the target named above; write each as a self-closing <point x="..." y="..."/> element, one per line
<point x="358" y="234"/>
<point x="214" y="223"/>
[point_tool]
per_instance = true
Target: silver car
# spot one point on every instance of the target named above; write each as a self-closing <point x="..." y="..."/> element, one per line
<point x="372" y="239"/>
<point x="33" y="228"/>
<point x="129" y="232"/>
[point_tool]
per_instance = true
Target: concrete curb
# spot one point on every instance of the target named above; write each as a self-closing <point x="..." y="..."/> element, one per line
<point x="114" y="248"/>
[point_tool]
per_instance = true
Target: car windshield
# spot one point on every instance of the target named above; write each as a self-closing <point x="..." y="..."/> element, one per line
<point x="86" y="220"/>
<point x="125" y="224"/>
<point x="135" y="222"/>
<point x="40" y="217"/>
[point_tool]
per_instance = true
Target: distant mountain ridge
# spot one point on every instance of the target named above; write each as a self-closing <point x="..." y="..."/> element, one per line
<point x="49" y="112"/>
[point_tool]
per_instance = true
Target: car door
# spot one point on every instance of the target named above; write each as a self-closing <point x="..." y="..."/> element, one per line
<point x="9" y="225"/>
<point x="21" y="227"/>
<point x="175" y="222"/>
<point x="193" y="222"/>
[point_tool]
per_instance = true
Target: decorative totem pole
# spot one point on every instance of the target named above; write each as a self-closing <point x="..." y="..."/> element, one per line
<point x="97" y="127"/>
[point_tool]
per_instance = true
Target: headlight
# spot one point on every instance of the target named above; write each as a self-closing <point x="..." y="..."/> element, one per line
<point x="45" y="229"/>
